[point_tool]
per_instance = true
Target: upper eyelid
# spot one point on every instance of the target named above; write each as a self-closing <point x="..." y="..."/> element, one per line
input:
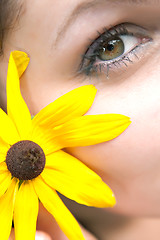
<point x="113" y="31"/>
<point x="109" y="32"/>
<point x="120" y="29"/>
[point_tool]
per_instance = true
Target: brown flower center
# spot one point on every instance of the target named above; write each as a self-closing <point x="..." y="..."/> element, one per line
<point x="25" y="160"/>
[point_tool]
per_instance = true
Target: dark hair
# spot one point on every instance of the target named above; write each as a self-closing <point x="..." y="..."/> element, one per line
<point x="9" y="13"/>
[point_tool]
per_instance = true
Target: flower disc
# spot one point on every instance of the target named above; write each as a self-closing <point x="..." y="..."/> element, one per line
<point x="25" y="160"/>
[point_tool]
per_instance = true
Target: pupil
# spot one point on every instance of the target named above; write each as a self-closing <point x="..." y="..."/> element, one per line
<point x="110" y="47"/>
<point x="25" y="160"/>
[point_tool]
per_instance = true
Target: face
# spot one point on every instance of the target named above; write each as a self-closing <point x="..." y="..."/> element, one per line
<point x="113" y="45"/>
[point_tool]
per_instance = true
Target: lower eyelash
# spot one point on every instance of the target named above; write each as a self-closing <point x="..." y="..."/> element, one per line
<point x="125" y="61"/>
<point x="105" y="67"/>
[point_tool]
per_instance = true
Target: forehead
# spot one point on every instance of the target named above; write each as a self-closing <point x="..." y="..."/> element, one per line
<point x="56" y="17"/>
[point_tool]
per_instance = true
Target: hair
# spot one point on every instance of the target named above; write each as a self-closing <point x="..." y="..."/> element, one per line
<point x="9" y="14"/>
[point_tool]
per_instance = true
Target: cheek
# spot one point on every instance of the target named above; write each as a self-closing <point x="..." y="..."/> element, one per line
<point x="130" y="164"/>
<point x="135" y="153"/>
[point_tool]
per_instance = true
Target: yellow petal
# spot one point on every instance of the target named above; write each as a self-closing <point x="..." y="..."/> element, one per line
<point x="91" y="129"/>
<point x="83" y="131"/>
<point x="47" y="141"/>
<point x="16" y="106"/>
<point x="55" y="206"/>
<point x="3" y="150"/>
<point x="76" y="181"/>
<point x="8" y="130"/>
<point x="72" y="104"/>
<point x="5" y="181"/>
<point x="2" y="157"/>
<point x="6" y="210"/>
<point x="5" y="178"/>
<point x="22" y="60"/>
<point x="25" y="212"/>
<point x="3" y="168"/>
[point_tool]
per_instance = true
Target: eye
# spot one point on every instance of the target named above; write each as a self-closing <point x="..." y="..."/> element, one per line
<point x="113" y="47"/>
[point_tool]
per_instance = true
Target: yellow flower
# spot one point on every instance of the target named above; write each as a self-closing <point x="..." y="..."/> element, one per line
<point x="33" y="166"/>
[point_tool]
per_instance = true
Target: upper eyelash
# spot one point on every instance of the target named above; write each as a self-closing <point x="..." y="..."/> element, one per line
<point x="118" y="30"/>
<point x="114" y="31"/>
<point x="107" y="33"/>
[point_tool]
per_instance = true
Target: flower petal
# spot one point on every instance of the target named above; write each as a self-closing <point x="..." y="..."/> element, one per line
<point x="72" y="104"/>
<point x="8" y="130"/>
<point x="83" y="131"/>
<point x="2" y="157"/>
<point x="3" y="150"/>
<point x="76" y="181"/>
<point x="6" y="210"/>
<point x="47" y="141"/>
<point x="16" y="106"/>
<point x="55" y="206"/>
<point x="5" y="178"/>
<point x="22" y="60"/>
<point x="3" y="168"/>
<point x="91" y="129"/>
<point x="25" y="212"/>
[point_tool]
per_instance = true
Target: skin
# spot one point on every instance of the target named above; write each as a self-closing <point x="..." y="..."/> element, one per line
<point x="129" y="164"/>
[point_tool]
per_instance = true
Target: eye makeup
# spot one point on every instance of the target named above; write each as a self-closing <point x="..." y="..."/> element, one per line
<point x="114" y="48"/>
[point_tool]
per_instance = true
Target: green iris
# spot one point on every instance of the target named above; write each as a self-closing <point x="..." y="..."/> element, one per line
<point x="111" y="49"/>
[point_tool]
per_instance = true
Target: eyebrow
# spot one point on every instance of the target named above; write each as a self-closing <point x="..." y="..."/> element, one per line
<point x="87" y="5"/>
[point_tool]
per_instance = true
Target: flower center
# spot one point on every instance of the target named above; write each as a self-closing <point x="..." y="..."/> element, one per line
<point x="25" y="160"/>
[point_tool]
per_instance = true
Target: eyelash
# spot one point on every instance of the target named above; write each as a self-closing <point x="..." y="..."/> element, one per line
<point x="88" y="63"/>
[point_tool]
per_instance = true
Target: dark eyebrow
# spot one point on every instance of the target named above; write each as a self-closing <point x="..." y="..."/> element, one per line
<point x="86" y="5"/>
